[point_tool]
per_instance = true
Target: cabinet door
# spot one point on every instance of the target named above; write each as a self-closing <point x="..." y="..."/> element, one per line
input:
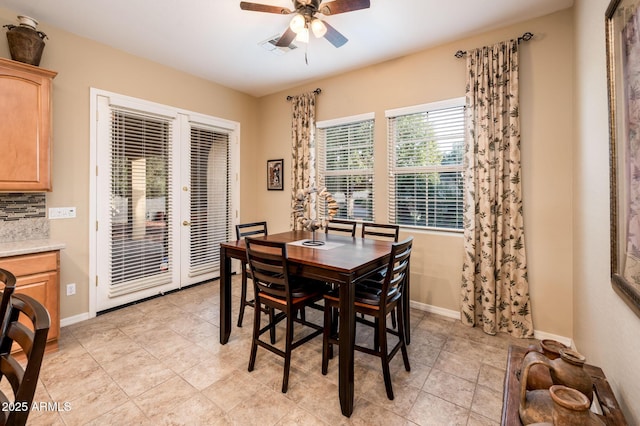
<point x="25" y="127"/>
<point x="37" y="275"/>
<point x="44" y="288"/>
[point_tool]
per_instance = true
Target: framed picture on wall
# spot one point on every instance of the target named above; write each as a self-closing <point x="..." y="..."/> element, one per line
<point x="623" y="75"/>
<point x="275" y="175"/>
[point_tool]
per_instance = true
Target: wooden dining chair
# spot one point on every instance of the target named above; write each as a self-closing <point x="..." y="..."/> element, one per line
<point x="32" y="339"/>
<point x="386" y="232"/>
<point x="378" y="300"/>
<point x="276" y="289"/>
<point x="341" y="226"/>
<point x="243" y="230"/>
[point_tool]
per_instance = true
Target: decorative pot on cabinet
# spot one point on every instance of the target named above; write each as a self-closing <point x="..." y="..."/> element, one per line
<point x="569" y="370"/>
<point x="571" y="407"/>
<point x="539" y="376"/>
<point x="26" y="43"/>
<point x="535" y="405"/>
<point x="540" y="372"/>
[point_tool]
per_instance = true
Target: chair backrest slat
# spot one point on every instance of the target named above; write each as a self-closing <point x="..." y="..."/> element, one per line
<point x="341" y="226"/>
<point x="251" y="229"/>
<point x="381" y="230"/>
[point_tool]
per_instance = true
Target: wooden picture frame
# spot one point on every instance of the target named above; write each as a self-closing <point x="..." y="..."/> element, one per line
<point x="275" y="175"/>
<point x="622" y="20"/>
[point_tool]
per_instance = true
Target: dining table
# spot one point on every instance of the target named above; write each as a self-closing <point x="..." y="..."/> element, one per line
<point x="338" y="259"/>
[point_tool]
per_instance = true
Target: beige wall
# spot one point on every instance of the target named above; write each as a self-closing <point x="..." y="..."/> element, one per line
<point x="82" y="64"/>
<point x="547" y="134"/>
<point x="605" y="328"/>
<point x="426" y="76"/>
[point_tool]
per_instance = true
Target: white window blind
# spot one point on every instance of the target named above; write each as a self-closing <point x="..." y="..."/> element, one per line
<point x="140" y="180"/>
<point x="210" y="198"/>
<point x="426" y="146"/>
<point x="345" y="164"/>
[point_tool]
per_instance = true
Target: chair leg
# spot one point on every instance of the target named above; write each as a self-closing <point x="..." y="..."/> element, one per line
<point x="256" y="336"/>
<point x="394" y="323"/>
<point x="376" y="334"/>
<point x="334" y="328"/>
<point x="272" y="331"/>
<point x="287" y="352"/>
<point x="402" y="337"/>
<point x="243" y="295"/>
<point x="381" y="332"/>
<point x="326" y="332"/>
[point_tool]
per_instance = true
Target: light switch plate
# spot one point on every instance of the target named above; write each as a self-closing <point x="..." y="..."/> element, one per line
<point x="62" y="212"/>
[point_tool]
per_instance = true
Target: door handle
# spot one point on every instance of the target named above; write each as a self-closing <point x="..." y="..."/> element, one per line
<point x="186" y="223"/>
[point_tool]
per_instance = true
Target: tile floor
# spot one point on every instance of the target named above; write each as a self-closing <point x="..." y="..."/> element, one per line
<point x="160" y="363"/>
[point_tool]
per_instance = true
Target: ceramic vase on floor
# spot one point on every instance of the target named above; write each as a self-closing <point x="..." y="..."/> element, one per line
<point x="26" y="43"/>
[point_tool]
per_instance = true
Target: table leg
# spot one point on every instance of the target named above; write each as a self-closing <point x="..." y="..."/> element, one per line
<point x="225" y="296"/>
<point x="347" y="340"/>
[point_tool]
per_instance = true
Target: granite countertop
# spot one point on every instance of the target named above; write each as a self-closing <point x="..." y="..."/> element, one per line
<point x="15" y="248"/>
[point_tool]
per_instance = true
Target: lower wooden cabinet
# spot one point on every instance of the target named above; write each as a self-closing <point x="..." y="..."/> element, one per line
<point x="38" y="276"/>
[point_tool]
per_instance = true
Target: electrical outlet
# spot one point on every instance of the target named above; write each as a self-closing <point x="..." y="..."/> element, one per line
<point x="71" y="289"/>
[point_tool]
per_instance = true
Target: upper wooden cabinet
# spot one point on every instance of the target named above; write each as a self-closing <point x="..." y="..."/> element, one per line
<point x="25" y="127"/>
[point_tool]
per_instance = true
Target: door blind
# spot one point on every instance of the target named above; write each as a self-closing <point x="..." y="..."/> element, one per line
<point x="210" y="207"/>
<point x="140" y="208"/>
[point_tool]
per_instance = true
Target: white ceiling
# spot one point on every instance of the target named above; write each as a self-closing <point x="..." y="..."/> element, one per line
<point x="216" y="40"/>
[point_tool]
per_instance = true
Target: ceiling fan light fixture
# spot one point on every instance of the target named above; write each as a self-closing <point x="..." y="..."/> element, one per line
<point x="303" y="35"/>
<point x="318" y="27"/>
<point x="297" y="23"/>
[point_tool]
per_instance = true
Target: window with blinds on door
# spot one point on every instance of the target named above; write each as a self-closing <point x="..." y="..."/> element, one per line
<point x="140" y="208"/>
<point x="210" y="203"/>
<point x="426" y="146"/>
<point x="345" y="164"/>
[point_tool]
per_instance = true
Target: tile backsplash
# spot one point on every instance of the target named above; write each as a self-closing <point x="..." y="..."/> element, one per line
<point x="23" y="216"/>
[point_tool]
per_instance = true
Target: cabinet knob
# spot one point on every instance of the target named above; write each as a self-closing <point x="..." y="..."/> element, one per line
<point x="186" y="223"/>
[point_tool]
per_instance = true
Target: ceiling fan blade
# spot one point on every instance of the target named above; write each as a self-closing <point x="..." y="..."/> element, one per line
<point x="334" y="36"/>
<point x="256" y="7"/>
<point x="286" y="38"/>
<point x="342" y="6"/>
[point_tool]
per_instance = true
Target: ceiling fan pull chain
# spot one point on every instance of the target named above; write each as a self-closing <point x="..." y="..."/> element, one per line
<point x="306" y="51"/>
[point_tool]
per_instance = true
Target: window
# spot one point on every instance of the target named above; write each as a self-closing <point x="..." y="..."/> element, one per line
<point x="426" y="147"/>
<point x="345" y="164"/>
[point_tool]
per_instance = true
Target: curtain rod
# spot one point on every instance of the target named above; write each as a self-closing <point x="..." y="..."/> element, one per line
<point x="317" y="92"/>
<point x="524" y="37"/>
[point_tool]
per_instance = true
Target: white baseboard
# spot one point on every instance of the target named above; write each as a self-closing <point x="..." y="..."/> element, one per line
<point x="74" y="319"/>
<point x="435" y="310"/>
<point x="456" y="315"/>
<point x="540" y="335"/>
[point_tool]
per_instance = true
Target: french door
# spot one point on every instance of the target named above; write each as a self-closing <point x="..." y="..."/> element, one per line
<point x="164" y="199"/>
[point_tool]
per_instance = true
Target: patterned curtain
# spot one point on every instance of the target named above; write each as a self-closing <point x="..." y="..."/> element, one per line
<point x="495" y="288"/>
<point x="303" y="150"/>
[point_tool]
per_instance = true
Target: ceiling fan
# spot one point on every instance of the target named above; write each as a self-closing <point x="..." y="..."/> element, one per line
<point x="306" y="19"/>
